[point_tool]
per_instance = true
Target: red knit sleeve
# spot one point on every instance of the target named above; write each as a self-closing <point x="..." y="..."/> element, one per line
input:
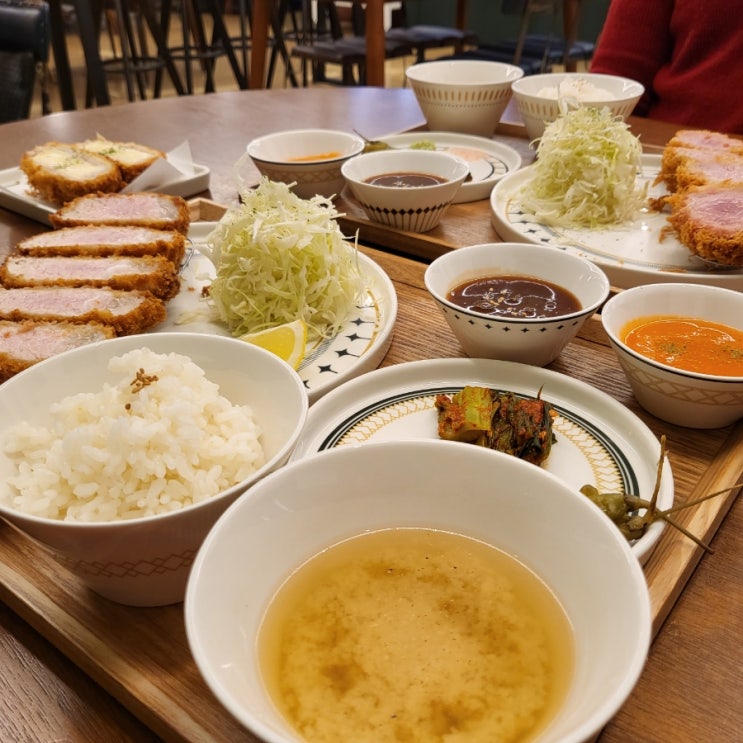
<point x="634" y="42"/>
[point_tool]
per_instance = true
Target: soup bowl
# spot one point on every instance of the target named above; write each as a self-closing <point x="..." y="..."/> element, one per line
<point x="134" y="559"/>
<point x="316" y="502"/>
<point x="414" y="208"/>
<point x="310" y="159"/>
<point x="536" y="341"/>
<point x="463" y="95"/>
<point x="536" y="96"/>
<point x="686" y="398"/>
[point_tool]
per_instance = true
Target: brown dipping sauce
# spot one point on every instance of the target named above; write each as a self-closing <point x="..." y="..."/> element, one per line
<point x="405" y="180"/>
<point x="519" y="297"/>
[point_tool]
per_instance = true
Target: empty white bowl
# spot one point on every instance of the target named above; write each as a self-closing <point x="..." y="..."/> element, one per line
<point x="413" y="209"/>
<point x="536" y="341"/>
<point x="309" y="158"/>
<point x="462" y="95"/>
<point x="619" y="94"/>
<point x="674" y="395"/>
<point x="314" y="503"/>
<point x="145" y="561"/>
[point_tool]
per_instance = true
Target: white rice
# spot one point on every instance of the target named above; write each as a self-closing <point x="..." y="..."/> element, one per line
<point x="124" y="453"/>
<point x="578" y="88"/>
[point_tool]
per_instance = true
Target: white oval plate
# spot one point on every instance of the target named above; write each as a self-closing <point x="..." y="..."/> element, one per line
<point x="641" y="252"/>
<point x="598" y="441"/>
<point x="359" y="347"/>
<point x="489" y="160"/>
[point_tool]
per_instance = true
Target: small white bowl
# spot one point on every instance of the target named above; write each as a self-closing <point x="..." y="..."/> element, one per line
<point x="316" y="502"/>
<point x="537" y="111"/>
<point x="529" y="341"/>
<point x="413" y="209"/>
<point x="276" y="157"/>
<point x="461" y="95"/>
<point x="673" y="395"/>
<point x="146" y="561"/>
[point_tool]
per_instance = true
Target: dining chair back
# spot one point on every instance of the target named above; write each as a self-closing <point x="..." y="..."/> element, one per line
<point x="328" y="41"/>
<point x="24" y="53"/>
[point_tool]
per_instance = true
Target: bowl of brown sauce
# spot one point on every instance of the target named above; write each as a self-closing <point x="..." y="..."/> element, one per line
<point x="309" y="159"/>
<point x="681" y="348"/>
<point x="417" y="590"/>
<point x="515" y="301"/>
<point x="410" y="190"/>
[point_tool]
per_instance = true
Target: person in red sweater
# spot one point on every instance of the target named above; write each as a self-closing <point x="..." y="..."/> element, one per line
<point x="687" y="54"/>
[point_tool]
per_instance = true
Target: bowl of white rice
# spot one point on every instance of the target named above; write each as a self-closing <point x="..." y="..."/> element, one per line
<point x="120" y="456"/>
<point x="538" y="97"/>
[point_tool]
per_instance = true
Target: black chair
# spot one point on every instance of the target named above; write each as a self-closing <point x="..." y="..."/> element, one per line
<point x="533" y="52"/>
<point x="424" y="37"/>
<point x="24" y="53"/>
<point x="327" y="43"/>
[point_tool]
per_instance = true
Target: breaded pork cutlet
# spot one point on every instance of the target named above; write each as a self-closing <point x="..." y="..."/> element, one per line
<point x="127" y="312"/>
<point x="701" y="153"/>
<point x="708" y="221"/>
<point x="60" y="172"/>
<point x="23" y="344"/>
<point x="154" y="274"/>
<point x="155" y="210"/>
<point x="105" y="241"/>
<point x="131" y="158"/>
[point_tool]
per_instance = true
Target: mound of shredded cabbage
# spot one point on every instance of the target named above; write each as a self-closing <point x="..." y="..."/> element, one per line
<point x="280" y="258"/>
<point x="586" y="171"/>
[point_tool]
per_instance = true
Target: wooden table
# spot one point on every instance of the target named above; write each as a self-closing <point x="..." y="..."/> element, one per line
<point x="78" y="668"/>
<point x="375" y="56"/>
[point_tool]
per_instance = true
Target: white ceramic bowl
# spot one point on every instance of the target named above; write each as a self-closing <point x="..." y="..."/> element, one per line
<point x="146" y="561"/>
<point x="316" y="502"/>
<point x="413" y="209"/>
<point x="529" y="341"/>
<point x="537" y="111"/>
<point x="461" y="95"/>
<point x="276" y="157"/>
<point x="673" y="395"/>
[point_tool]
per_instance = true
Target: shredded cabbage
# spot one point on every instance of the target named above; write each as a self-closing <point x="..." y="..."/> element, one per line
<point x="280" y="258"/>
<point x="586" y="170"/>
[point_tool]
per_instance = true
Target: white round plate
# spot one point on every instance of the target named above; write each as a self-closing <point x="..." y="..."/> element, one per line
<point x="641" y="252"/>
<point x="359" y="347"/>
<point x="598" y="441"/>
<point x="489" y="160"/>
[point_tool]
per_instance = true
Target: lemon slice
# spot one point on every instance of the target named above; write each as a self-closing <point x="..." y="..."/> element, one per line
<point x="287" y="341"/>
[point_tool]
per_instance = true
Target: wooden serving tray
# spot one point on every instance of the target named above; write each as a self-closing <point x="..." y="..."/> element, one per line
<point x="141" y="655"/>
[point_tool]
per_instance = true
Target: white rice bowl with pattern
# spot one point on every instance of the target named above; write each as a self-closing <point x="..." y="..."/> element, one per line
<point x="119" y="456"/>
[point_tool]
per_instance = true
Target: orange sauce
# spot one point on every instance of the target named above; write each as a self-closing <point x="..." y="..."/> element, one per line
<point x="315" y="158"/>
<point x="687" y="343"/>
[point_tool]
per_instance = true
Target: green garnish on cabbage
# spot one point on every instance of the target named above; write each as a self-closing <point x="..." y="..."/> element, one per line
<point x="280" y="258"/>
<point x="586" y="171"/>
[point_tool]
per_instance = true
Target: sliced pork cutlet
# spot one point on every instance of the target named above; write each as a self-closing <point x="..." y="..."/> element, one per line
<point x="709" y="221"/>
<point x="127" y="312"/>
<point x="105" y="241"/>
<point x="154" y="274"/>
<point x="689" y="167"/>
<point x="697" y="145"/>
<point x="60" y="172"/>
<point x="707" y="140"/>
<point x="131" y="158"/>
<point x="23" y="344"/>
<point x="156" y="210"/>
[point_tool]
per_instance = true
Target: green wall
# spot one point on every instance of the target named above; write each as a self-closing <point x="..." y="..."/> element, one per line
<point x="486" y="18"/>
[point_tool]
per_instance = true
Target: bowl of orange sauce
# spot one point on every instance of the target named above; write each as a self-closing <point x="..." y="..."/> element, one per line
<point x="309" y="159"/>
<point x="681" y="348"/>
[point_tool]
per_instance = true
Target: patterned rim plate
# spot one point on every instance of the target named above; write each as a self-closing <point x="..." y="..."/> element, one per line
<point x="598" y="440"/>
<point x="359" y="347"/>
<point x="489" y="160"/>
<point x="640" y="252"/>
